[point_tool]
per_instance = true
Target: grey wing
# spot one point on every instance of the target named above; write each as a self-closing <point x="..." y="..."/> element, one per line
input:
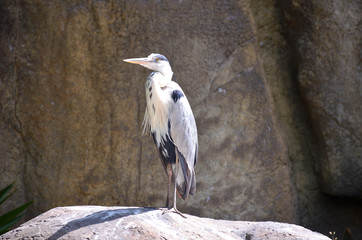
<point x="184" y="135"/>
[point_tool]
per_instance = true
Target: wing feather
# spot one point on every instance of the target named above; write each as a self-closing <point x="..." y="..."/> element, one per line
<point x="184" y="135"/>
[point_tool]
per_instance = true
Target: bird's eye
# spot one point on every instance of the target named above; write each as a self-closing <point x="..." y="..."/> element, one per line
<point x="157" y="59"/>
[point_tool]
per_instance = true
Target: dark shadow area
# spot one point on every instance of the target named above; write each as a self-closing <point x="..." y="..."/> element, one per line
<point x="96" y="218"/>
<point x="344" y="217"/>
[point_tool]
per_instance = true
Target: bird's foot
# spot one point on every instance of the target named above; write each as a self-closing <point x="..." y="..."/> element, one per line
<point x="175" y="210"/>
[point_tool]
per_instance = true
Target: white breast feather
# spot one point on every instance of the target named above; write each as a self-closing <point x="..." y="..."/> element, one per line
<point x="156" y="119"/>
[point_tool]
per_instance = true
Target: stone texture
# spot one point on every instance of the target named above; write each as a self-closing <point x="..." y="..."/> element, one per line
<point x="95" y="222"/>
<point x="80" y="107"/>
<point x="275" y="94"/>
<point x="329" y="77"/>
<point x="287" y="52"/>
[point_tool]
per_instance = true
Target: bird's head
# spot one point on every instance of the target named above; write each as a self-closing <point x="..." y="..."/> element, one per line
<point x="155" y="62"/>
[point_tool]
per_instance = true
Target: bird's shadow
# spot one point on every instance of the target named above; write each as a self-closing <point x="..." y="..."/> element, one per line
<point x="96" y="218"/>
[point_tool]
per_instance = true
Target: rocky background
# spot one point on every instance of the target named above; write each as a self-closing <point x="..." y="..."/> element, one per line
<point x="275" y="89"/>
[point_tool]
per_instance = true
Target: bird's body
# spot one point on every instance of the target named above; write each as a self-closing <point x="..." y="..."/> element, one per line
<point x="169" y="118"/>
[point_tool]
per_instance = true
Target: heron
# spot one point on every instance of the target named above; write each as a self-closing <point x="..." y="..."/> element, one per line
<point x="169" y="119"/>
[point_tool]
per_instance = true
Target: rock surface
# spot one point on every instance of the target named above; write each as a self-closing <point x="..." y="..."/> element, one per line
<point x="95" y="222"/>
<point x="330" y="81"/>
<point x="274" y="86"/>
<point x="76" y="108"/>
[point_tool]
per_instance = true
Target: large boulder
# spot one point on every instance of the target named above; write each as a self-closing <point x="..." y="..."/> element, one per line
<point x="300" y="58"/>
<point x="274" y="89"/>
<point x="95" y="222"/>
<point x="329" y="79"/>
<point x="78" y="107"/>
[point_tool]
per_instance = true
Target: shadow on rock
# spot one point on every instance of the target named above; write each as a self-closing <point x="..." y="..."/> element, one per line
<point x="96" y="218"/>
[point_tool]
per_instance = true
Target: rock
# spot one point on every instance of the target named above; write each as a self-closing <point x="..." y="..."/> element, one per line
<point x="330" y="83"/>
<point x="76" y="109"/>
<point x="96" y="222"/>
<point x="273" y="101"/>
<point x="297" y="56"/>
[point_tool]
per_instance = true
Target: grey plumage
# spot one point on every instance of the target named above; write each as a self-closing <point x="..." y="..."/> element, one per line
<point x="169" y="118"/>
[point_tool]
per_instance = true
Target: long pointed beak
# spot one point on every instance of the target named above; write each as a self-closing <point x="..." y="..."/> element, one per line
<point x="137" y="60"/>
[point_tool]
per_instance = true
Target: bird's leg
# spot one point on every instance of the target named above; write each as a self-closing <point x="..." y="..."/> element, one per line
<point x="174" y="203"/>
<point x="169" y="173"/>
<point x="174" y="194"/>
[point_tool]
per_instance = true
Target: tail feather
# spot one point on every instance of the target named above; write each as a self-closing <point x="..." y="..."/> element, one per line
<point x="185" y="180"/>
<point x="193" y="184"/>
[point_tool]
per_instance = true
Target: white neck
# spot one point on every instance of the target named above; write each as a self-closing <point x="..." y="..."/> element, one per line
<point x="166" y="77"/>
<point x="168" y="74"/>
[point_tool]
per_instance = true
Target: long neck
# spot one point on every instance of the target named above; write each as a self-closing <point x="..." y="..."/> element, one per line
<point x="166" y="76"/>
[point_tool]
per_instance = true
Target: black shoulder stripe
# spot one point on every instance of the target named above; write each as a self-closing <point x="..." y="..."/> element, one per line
<point x="176" y="95"/>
